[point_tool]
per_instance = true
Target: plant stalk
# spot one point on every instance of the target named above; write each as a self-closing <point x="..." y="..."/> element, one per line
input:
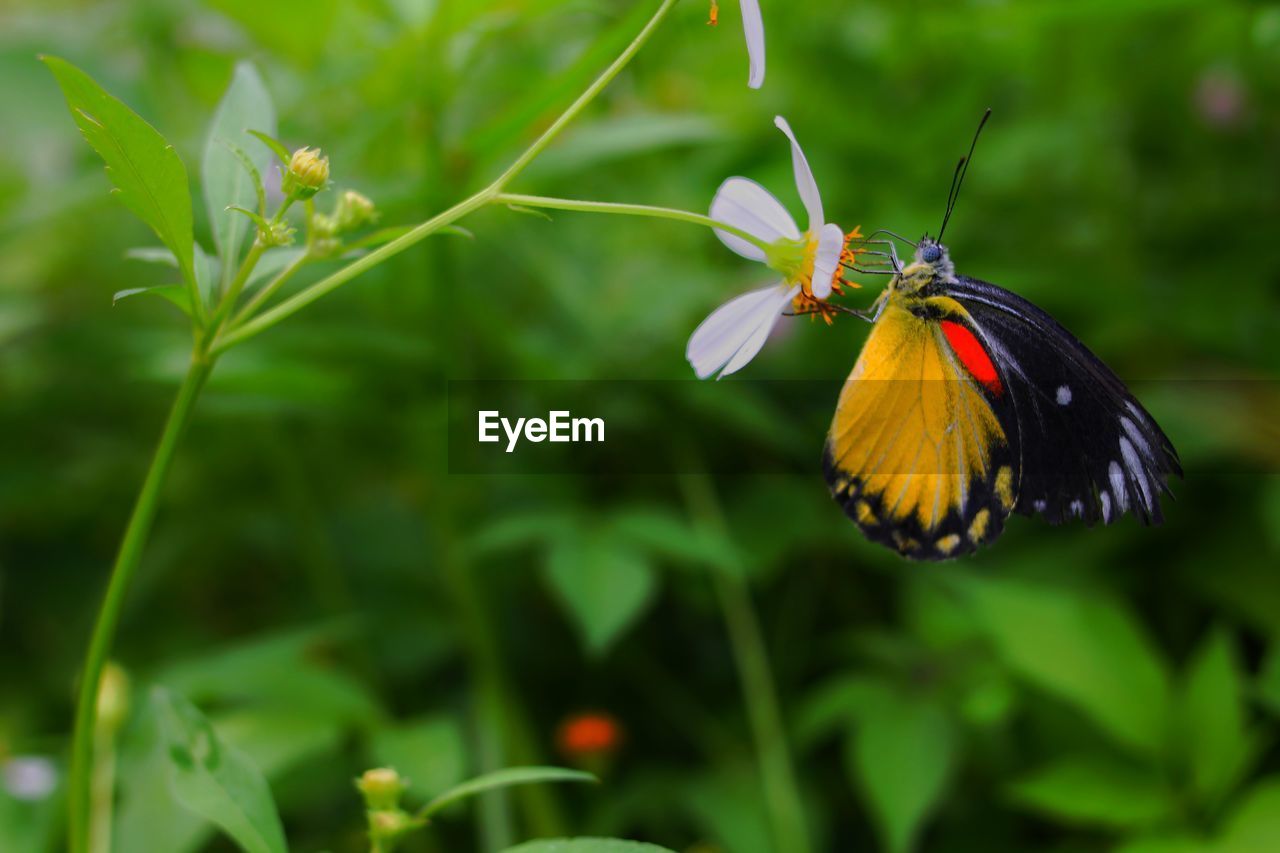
<point x="212" y="341"/>
<point x="126" y="564"/>
<point x="647" y="210"/>
<point x="782" y="794"/>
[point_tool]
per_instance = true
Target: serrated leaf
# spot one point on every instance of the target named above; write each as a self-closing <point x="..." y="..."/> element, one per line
<point x="1212" y="719"/>
<point x="177" y="294"/>
<point x="586" y="845"/>
<point x="602" y="585"/>
<point x="215" y="780"/>
<point x="148" y="174"/>
<point x="1095" y="791"/>
<point x="1083" y="647"/>
<point x="902" y="754"/>
<point x="504" y="778"/>
<point x="232" y="175"/>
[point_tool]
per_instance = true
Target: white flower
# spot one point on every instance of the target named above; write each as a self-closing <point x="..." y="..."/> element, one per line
<point x="29" y="777"/>
<point x="753" y="29"/>
<point x="808" y="261"/>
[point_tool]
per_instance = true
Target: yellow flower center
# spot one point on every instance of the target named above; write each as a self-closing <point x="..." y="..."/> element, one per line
<point x="805" y="302"/>
<point x="794" y="259"/>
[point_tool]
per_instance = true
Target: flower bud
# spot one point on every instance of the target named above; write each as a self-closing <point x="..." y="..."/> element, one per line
<point x="381" y="788"/>
<point x="113" y="698"/>
<point x="279" y="234"/>
<point x="307" y="174"/>
<point x="353" y="211"/>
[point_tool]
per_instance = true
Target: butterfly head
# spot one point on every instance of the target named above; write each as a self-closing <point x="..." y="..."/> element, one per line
<point x="932" y="263"/>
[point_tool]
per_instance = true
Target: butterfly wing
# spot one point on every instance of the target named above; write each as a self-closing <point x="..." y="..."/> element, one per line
<point x="1088" y="449"/>
<point x="918" y="454"/>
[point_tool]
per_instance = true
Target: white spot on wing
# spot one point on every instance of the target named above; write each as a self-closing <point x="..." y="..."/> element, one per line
<point x="1077" y="508"/>
<point x="1116" y="476"/>
<point x="1136" y="436"/>
<point x="1136" y="471"/>
<point x="1106" y="507"/>
<point x="1064" y="395"/>
<point x="1039" y="505"/>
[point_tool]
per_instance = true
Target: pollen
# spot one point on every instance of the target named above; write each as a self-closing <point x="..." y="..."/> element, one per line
<point x="805" y="302"/>
<point x="714" y="16"/>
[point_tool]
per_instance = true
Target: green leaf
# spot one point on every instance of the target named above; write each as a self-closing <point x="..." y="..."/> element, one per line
<point x="603" y="585"/>
<point x="529" y="211"/>
<point x="1267" y="687"/>
<point x="274" y="145"/>
<point x="1083" y="647"/>
<point x="1212" y="719"/>
<point x="231" y="176"/>
<point x="504" y="778"/>
<point x="902" y="755"/>
<point x="1095" y="791"/>
<point x="272" y="262"/>
<point x="668" y="535"/>
<point x="586" y="845"/>
<point x="1164" y="844"/>
<point x="430" y="753"/>
<point x="834" y="706"/>
<point x="595" y="144"/>
<point x="215" y="780"/>
<point x="152" y="255"/>
<point x="178" y="294"/>
<point x="252" y="170"/>
<point x="148" y="174"/>
<point x="1255" y="825"/>
<point x="260" y="221"/>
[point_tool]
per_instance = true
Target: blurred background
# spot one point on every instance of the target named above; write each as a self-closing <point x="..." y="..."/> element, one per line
<point x="333" y="598"/>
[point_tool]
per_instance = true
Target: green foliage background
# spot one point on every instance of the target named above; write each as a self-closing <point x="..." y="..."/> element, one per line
<point x="333" y="599"/>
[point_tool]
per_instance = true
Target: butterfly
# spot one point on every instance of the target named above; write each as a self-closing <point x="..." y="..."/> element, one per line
<point x="968" y="403"/>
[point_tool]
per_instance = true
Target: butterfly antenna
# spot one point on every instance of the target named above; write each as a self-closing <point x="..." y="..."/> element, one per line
<point x="957" y="179"/>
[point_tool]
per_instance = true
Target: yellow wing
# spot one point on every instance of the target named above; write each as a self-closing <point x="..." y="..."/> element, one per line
<point x="917" y="455"/>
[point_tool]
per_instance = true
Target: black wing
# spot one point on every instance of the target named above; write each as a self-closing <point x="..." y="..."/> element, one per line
<point x="1088" y="449"/>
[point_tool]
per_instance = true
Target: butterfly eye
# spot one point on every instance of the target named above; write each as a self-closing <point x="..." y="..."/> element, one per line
<point x="931" y="254"/>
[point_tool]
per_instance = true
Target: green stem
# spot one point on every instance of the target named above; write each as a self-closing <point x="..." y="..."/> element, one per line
<point x="782" y="794"/>
<point x="261" y="297"/>
<point x="211" y="342"/>
<point x="332" y="282"/>
<point x="584" y="99"/>
<point x="627" y="210"/>
<point x="229" y="298"/>
<point x="126" y="564"/>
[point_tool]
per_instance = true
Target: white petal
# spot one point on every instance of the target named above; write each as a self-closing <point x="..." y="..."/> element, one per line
<point x="805" y="184"/>
<point x="753" y="29"/>
<point x="744" y="204"/>
<point x="735" y="332"/>
<point x="826" y="259"/>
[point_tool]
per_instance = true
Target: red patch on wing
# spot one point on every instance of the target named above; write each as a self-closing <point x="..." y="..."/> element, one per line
<point x="972" y="355"/>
